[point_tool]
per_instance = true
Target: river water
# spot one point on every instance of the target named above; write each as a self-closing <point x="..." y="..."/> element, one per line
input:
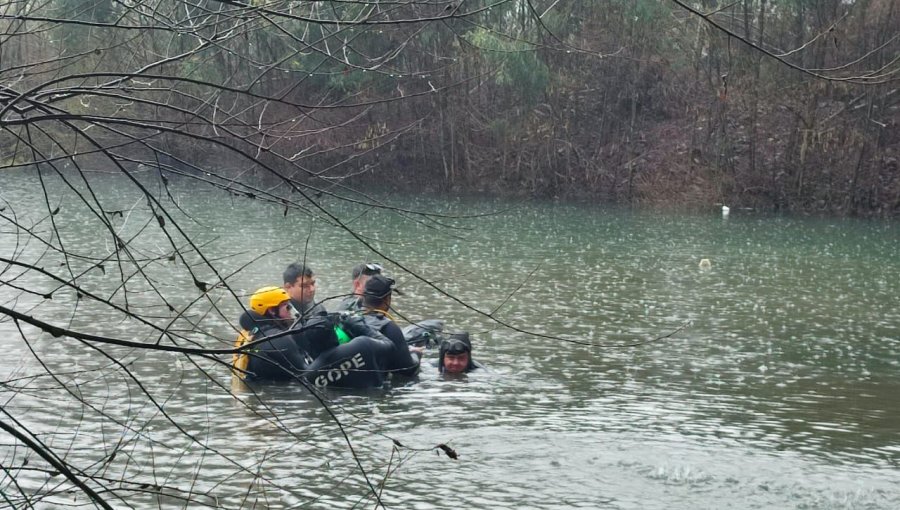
<point x="777" y="387"/>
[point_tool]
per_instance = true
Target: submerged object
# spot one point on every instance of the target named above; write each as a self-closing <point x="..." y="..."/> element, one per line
<point x="424" y="333"/>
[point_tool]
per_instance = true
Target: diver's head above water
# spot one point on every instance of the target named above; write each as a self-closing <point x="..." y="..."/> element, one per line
<point x="455" y="356"/>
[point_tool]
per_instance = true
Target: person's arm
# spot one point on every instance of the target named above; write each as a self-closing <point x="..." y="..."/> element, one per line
<point x="403" y="361"/>
<point x="274" y="357"/>
<point x="355" y="325"/>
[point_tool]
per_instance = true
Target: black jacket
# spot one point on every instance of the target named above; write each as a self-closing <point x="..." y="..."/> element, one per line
<point x="358" y="363"/>
<point x="280" y="358"/>
<point x="313" y="309"/>
<point x="400" y="360"/>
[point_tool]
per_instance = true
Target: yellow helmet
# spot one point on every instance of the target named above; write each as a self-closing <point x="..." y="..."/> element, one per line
<point x="267" y="297"/>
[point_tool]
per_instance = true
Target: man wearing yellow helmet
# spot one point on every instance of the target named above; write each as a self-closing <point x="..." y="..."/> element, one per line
<point x="273" y="302"/>
<point x="270" y="314"/>
<point x="290" y="353"/>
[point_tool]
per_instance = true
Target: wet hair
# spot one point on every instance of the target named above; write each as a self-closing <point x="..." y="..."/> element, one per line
<point x="294" y="271"/>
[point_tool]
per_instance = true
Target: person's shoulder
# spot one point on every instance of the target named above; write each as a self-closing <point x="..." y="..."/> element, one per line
<point x="392" y="331"/>
<point x="476" y="365"/>
<point x="393" y="325"/>
<point x="263" y="326"/>
<point x="349" y="304"/>
<point x="376" y="320"/>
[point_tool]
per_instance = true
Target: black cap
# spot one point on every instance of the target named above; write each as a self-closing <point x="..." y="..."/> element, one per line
<point x="457" y="343"/>
<point x="378" y="286"/>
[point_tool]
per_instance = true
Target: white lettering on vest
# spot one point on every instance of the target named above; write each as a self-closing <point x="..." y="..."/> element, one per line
<point x="337" y="373"/>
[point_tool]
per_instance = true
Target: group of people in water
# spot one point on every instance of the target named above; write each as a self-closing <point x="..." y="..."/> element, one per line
<point x="286" y="334"/>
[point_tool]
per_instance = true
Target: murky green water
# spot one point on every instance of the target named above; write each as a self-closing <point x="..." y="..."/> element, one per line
<point x="780" y="391"/>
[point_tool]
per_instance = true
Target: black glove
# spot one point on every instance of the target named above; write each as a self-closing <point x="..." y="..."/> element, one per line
<point x="317" y="335"/>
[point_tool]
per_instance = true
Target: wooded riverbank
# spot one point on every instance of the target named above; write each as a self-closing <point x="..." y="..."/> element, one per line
<point x="774" y="105"/>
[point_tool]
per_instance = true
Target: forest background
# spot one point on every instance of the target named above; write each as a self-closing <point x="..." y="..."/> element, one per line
<point x="775" y="105"/>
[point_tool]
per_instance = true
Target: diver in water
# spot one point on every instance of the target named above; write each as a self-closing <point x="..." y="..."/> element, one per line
<point x="360" y="274"/>
<point x="360" y="354"/>
<point x="359" y="363"/>
<point x="312" y="350"/>
<point x="455" y="355"/>
<point x="376" y="300"/>
<point x="270" y="314"/>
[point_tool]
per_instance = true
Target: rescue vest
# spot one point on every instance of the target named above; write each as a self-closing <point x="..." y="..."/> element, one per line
<point x="241" y="360"/>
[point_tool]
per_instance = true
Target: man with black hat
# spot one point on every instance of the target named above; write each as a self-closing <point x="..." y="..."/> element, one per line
<point x="376" y="301"/>
<point x="360" y="274"/>
<point x="455" y="355"/>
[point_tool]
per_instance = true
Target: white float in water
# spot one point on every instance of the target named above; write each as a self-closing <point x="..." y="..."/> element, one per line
<point x="705" y="264"/>
<point x="725" y="211"/>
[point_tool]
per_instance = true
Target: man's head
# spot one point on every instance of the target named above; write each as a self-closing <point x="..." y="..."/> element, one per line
<point x="377" y="292"/>
<point x="300" y="283"/>
<point x="456" y="354"/>
<point x="271" y="302"/>
<point x="361" y="274"/>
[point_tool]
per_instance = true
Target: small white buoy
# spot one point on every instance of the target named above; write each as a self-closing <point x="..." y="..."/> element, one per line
<point x="705" y="264"/>
<point x="725" y="211"/>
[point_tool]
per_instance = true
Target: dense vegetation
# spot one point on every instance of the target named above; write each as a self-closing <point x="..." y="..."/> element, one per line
<point x="769" y="104"/>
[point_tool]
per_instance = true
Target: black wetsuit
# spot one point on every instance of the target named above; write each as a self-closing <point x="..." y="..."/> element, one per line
<point x="400" y="360"/>
<point x="280" y="358"/>
<point x="311" y="310"/>
<point x="359" y="363"/>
